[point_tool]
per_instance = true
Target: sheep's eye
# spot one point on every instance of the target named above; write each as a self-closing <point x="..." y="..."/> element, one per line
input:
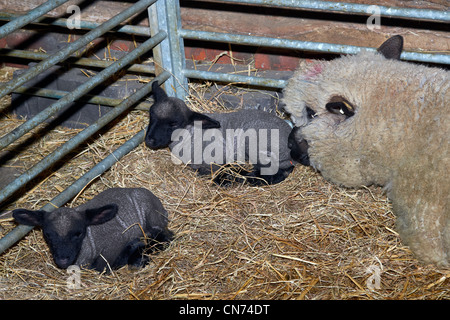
<point x="77" y="235"/>
<point x="339" y="105"/>
<point x="173" y="124"/>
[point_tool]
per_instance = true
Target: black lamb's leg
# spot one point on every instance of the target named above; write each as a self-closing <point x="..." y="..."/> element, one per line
<point x="132" y="254"/>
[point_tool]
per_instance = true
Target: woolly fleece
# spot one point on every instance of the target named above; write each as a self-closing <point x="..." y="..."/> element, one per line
<point x="398" y="137"/>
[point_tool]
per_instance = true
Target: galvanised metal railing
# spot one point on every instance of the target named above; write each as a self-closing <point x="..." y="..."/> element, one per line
<point x="336" y="7"/>
<point x="20" y="231"/>
<point x="33" y="15"/>
<point x="66" y="98"/>
<point x="81" y="90"/>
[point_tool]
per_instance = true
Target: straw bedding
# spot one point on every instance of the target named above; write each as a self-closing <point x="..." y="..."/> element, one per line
<point x="302" y="239"/>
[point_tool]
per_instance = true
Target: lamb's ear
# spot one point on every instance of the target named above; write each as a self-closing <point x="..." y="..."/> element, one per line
<point x="158" y="93"/>
<point x="340" y="106"/>
<point x="392" y="47"/>
<point x="29" y="217"/>
<point x="207" y="122"/>
<point x="101" y="215"/>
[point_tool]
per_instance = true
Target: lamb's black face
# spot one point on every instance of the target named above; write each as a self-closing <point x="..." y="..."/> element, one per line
<point x="64" y="230"/>
<point x="65" y="248"/>
<point x="165" y="117"/>
<point x="159" y="132"/>
<point x="64" y="235"/>
<point x="299" y="149"/>
<point x="171" y="114"/>
<point x="298" y="145"/>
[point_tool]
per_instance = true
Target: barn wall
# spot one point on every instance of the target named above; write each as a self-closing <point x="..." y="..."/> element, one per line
<point x="291" y="24"/>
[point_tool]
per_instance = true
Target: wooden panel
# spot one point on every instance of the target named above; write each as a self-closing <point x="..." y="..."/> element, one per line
<point x="275" y="22"/>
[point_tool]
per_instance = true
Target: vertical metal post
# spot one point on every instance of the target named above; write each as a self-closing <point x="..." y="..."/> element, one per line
<point x="158" y="22"/>
<point x="177" y="47"/>
<point x="164" y="15"/>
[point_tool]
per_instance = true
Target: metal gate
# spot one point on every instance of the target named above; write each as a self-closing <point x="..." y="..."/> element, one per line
<point x="178" y="34"/>
<point x="167" y="42"/>
<point x="68" y="97"/>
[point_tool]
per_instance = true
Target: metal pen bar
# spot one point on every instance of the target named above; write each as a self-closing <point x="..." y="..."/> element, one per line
<point x="343" y="7"/>
<point x="79" y="91"/>
<point x="301" y="45"/>
<point x="84" y="62"/>
<point x="71" y="48"/>
<point x="235" y="78"/>
<point x="58" y="94"/>
<point x="157" y="17"/>
<point x="53" y="157"/>
<point x="31" y="16"/>
<point x="21" y="230"/>
<point x="169" y="55"/>
<point x="176" y="47"/>
<point x="89" y="25"/>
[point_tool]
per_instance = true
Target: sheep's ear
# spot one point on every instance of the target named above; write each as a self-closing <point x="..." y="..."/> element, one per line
<point x="340" y="106"/>
<point x="101" y="215"/>
<point x="207" y="122"/>
<point x="29" y="217"/>
<point x="392" y="47"/>
<point x="158" y="93"/>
